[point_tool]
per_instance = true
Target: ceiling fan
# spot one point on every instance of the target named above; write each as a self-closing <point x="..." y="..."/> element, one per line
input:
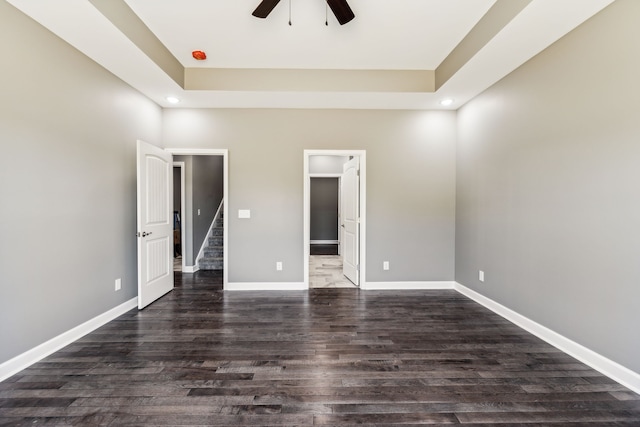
<point x="340" y="9"/>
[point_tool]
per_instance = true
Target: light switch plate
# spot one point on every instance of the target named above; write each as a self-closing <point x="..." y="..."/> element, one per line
<point x="244" y="213"/>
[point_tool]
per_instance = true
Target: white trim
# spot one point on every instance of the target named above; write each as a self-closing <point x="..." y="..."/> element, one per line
<point x="190" y="268"/>
<point x="362" y="154"/>
<point x="324" y="242"/>
<point x="430" y="285"/>
<point x="225" y="196"/>
<point x="325" y="175"/>
<point x="266" y="286"/>
<point x="198" y="151"/>
<point x="183" y="208"/>
<point x="206" y="239"/>
<point x="29" y="357"/>
<point x="608" y="367"/>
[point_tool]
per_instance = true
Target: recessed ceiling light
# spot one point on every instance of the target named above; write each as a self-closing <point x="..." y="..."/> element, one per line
<point x="446" y="102"/>
<point x="172" y="99"/>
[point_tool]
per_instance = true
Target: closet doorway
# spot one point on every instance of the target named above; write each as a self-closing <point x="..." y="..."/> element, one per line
<point x="334" y="208"/>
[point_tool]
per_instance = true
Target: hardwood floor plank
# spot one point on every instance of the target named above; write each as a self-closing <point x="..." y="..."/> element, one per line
<point x="200" y="356"/>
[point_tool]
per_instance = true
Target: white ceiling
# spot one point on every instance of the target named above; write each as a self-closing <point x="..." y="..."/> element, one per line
<point x="385" y="35"/>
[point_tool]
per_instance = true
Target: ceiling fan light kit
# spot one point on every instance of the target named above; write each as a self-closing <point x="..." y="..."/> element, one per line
<point x="340" y="9"/>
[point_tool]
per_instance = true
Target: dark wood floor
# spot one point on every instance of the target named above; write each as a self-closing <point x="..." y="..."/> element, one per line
<point x="334" y="357"/>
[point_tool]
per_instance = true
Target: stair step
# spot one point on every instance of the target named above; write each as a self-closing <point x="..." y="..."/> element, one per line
<point x="215" y="241"/>
<point x="211" y="263"/>
<point x="213" y="253"/>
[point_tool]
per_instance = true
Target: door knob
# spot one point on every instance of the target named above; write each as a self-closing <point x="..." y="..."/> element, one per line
<point x="145" y="234"/>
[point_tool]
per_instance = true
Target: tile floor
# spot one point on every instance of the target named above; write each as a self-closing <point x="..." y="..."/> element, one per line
<point x="325" y="271"/>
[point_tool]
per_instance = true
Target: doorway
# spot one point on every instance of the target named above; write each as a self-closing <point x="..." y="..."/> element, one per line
<point x="155" y="218"/>
<point x="327" y="170"/>
<point x="192" y="249"/>
<point x="178" y="212"/>
<point x="324" y="214"/>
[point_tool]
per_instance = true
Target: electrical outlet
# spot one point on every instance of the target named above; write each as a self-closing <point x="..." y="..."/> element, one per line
<point x="385" y="265"/>
<point x="481" y="275"/>
<point x="279" y="266"/>
<point x="198" y="212"/>
<point x="118" y="284"/>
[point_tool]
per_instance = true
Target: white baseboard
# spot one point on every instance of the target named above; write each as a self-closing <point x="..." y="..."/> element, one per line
<point x="28" y="358"/>
<point x="324" y="242"/>
<point x="435" y="285"/>
<point x="265" y="286"/>
<point x="608" y="367"/>
<point x="190" y="268"/>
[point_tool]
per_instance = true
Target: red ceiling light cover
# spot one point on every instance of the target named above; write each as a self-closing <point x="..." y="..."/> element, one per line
<point x="199" y="55"/>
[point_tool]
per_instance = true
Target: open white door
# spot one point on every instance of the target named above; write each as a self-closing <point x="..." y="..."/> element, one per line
<point x="155" y="227"/>
<point x="350" y="196"/>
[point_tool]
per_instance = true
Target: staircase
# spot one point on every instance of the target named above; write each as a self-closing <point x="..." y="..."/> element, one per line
<point x="212" y="258"/>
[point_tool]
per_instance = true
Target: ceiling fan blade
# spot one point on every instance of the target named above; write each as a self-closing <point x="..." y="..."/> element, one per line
<point x="264" y="8"/>
<point x="341" y="10"/>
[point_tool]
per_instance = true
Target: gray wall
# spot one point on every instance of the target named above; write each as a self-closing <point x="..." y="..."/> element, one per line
<point x="177" y="188"/>
<point x="410" y="184"/>
<point x="187" y="215"/>
<point x="67" y="184"/>
<point x="323" y="209"/>
<point x="204" y="191"/>
<point x="547" y="187"/>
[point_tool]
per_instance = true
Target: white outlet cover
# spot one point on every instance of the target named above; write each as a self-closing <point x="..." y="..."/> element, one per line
<point x="279" y="266"/>
<point x="244" y="213"/>
<point x="481" y="275"/>
<point x="118" y="284"/>
<point x="385" y="265"/>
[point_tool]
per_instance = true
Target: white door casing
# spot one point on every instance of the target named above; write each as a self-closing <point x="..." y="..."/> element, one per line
<point x="362" y="203"/>
<point x="155" y="222"/>
<point x="350" y="220"/>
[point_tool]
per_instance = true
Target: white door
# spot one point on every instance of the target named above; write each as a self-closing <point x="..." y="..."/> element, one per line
<point x="350" y="196"/>
<point x="155" y="227"/>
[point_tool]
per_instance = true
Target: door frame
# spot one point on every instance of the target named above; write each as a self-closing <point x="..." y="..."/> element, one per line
<point x="306" y="240"/>
<point x="183" y="204"/>
<point x="225" y="196"/>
